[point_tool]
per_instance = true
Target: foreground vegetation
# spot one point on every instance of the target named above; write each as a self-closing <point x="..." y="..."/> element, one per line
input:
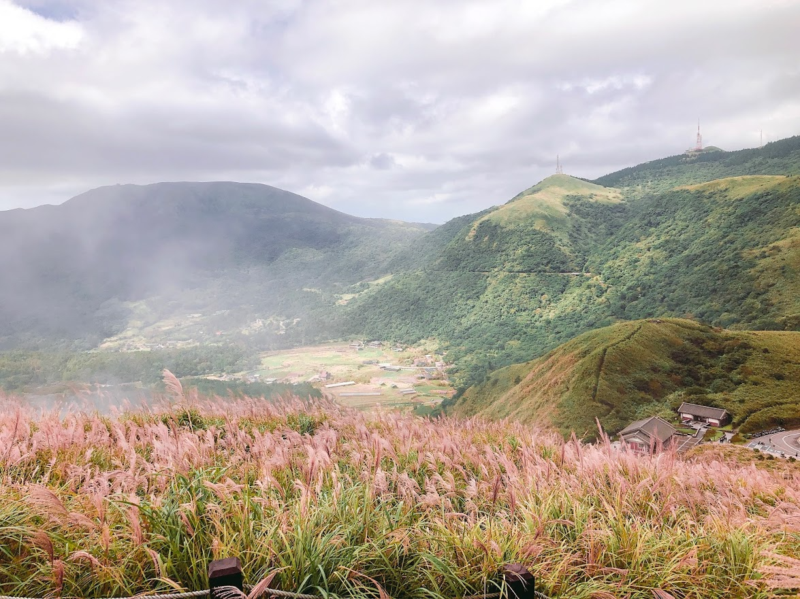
<point x="350" y="504"/>
<point x="641" y="368"/>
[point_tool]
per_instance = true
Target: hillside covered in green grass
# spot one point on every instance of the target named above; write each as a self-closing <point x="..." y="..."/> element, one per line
<point x="568" y="256"/>
<point x="635" y="369"/>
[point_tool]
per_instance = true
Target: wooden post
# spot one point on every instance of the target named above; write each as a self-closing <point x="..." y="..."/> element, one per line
<point x="224" y="573"/>
<point x="520" y="583"/>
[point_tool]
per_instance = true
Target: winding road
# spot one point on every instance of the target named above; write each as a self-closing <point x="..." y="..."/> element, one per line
<point x="787" y="442"/>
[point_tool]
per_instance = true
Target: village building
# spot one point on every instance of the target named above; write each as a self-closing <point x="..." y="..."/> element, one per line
<point x="690" y="412"/>
<point x="649" y="434"/>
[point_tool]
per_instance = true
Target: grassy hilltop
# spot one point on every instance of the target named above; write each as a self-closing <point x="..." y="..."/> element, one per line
<point x="635" y="369"/>
<point x="372" y="505"/>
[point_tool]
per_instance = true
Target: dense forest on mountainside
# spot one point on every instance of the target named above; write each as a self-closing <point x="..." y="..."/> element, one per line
<point x="636" y="369"/>
<point x="727" y="253"/>
<point x="75" y="274"/>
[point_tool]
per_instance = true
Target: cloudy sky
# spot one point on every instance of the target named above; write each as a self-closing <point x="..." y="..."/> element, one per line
<point x="413" y="109"/>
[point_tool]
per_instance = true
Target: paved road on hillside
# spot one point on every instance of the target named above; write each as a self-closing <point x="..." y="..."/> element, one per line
<point x="788" y="442"/>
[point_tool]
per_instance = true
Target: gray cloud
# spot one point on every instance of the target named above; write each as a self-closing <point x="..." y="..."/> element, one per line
<point x="405" y="109"/>
<point x="382" y="162"/>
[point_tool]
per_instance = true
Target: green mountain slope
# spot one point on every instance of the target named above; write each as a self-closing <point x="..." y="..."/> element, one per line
<point x="776" y="158"/>
<point x="635" y="369"/>
<point x="135" y="260"/>
<point x="497" y="276"/>
<point x="532" y="233"/>
<point x="568" y="256"/>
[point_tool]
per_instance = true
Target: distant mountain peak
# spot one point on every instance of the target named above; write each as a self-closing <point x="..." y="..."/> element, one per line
<point x="543" y="207"/>
<point x="568" y="185"/>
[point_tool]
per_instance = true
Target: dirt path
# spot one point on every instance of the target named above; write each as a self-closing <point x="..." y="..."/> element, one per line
<point x="602" y="362"/>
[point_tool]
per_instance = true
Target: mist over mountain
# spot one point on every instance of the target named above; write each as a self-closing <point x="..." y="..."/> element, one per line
<point x="70" y="274"/>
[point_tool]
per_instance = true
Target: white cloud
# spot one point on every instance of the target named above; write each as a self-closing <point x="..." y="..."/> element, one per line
<point x="402" y="108"/>
<point x="24" y="32"/>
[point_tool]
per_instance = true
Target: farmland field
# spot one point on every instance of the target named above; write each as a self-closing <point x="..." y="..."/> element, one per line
<point x="344" y="363"/>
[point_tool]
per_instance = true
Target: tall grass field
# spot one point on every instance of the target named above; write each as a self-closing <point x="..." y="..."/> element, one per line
<point x="347" y="504"/>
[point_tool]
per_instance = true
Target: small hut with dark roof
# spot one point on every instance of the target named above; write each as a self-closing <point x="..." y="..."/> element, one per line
<point x="691" y="412"/>
<point x="649" y="434"/>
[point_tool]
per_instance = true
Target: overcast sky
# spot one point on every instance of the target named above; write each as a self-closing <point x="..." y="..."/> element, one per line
<point x="420" y="110"/>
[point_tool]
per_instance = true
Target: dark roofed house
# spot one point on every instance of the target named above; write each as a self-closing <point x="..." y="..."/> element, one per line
<point x="648" y="434"/>
<point x="695" y="413"/>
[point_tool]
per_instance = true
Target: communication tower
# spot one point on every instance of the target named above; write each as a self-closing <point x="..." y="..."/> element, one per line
<point x="698" y="147"/>
<point x="559" y="168"/>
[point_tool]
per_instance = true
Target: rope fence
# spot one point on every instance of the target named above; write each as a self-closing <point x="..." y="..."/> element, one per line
<point x="186" y="595"/>
<point x="225" y="579"/>
<point x="272" y="592"/>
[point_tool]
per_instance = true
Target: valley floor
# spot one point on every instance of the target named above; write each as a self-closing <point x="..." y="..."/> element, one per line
<point x="361" y="376"/>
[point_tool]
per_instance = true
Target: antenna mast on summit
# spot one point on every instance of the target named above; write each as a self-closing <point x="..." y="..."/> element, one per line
<point x="559" y="168"/>
<point x="698" y="147"/>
